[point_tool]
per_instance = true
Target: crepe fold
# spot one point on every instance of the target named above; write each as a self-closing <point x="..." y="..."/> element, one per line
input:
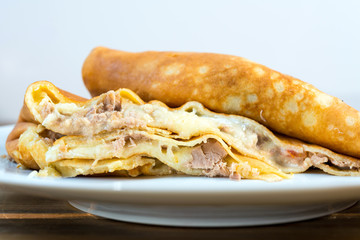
<point x="117" y="133"/>
<point x="229" y="84"/>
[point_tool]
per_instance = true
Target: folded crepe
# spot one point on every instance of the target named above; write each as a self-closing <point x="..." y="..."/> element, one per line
<point x="229" y="84"/>
<point x="117" y="133"/>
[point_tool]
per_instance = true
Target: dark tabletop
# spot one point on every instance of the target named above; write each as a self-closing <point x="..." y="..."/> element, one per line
<point x="30" y="217"/>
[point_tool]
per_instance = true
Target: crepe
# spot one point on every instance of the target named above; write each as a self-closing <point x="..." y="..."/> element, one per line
<point x="117" y="133"/>
<point x="229" y="84"/>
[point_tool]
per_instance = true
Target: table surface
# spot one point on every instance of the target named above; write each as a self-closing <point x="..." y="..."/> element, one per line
<point x="30" y="217"/>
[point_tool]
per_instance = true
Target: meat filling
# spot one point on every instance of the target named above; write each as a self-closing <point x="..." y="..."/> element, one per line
<point x="103" y="116"/>
<point x="127" y="141"/>
<point x="209" y="156"/>
<point x="303" y="159"/>
<point x="344" y="164"/>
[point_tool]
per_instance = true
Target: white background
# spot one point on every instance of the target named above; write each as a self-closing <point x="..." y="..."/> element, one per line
<point x="316" y="41"/>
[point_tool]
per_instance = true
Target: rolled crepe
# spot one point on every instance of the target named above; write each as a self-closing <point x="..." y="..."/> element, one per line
<point x="118" y="133"/>
<point x="229" y="84"/>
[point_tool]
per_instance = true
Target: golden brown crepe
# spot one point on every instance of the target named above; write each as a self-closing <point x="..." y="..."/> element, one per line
<point x="229" y="84"/>
<point x="117" y="133"/>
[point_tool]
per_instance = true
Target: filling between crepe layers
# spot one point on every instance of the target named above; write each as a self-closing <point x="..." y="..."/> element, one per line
<point x="43" y="146"/>
<point x="206" y="158"/>
<point x="244" y="136"/>
<point x="204" y="155"/>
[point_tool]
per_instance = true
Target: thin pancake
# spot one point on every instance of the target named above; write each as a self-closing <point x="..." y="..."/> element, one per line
<point x="229" y="84"/>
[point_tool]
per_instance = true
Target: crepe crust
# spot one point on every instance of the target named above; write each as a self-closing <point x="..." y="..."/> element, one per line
<point x="229" y="84"/>
<point x="27" y="119"/>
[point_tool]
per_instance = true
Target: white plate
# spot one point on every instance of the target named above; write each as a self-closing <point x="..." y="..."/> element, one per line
<point x="191" y="201"/>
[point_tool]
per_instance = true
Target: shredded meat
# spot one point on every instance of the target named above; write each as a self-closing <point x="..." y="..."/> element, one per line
<point x="317" y="158"/>
<point x="289" y="157"/>
<point x="106" y="115"/>
<point x="119" y="143"/>
<point x="109" y="104"/>
<point x="233" y="173"/>
<point x="208" y="156"/>
<point x="200" y="160"/>
<point x="219" y="169"/>
<point x="128" y="140"/>
<point x="46" y="108"/>
<point x="344" y="163"/>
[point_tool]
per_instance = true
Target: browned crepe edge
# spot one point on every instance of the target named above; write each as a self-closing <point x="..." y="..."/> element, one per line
<point x="26" y="119"/>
